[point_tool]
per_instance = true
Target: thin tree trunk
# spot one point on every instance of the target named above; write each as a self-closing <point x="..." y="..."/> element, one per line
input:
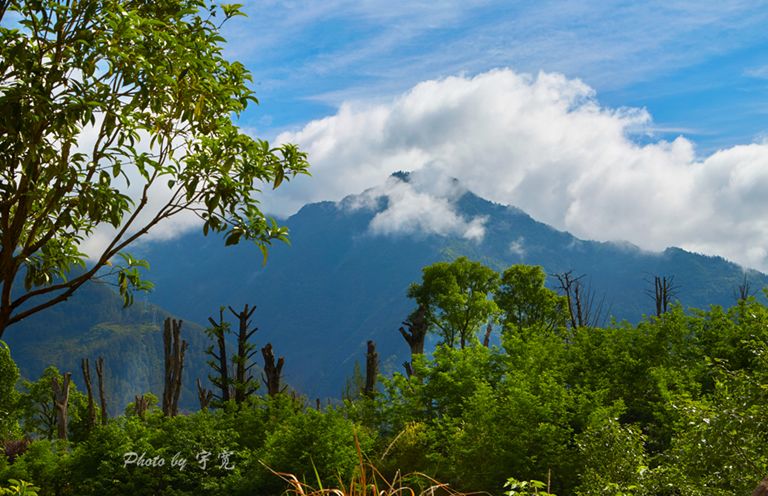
<point x="61" y="401"/>
<point x="272" y="371"/>
<point x="203" y="395"/>
<point x="371" y="369"/>
<point x="85" y="365"/>
<point x="174" y="349"/>
<point x="102" y="397"/>
<point x="141" y="404"/>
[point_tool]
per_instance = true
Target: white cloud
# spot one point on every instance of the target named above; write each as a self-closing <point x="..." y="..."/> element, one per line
<point x="158" y="196"/>
<point x="424" y="204"/>
<point x="517" y="247"/>
<point x="543" y="144"/>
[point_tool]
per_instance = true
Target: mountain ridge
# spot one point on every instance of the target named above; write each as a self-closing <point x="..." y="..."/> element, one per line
<point x="339" y="284"/>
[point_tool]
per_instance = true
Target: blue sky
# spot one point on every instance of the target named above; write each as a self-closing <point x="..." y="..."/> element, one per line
<point x="644" y="122"/>
<point x="699" y="68"/>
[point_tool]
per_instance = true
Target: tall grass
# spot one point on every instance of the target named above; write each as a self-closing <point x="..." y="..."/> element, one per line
<point x="368" y="481"/>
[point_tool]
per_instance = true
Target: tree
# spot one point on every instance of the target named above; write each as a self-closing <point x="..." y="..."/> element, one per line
<point x="584" y="307"/>
<point x="244" y="384"/>
<point x="524" y="300"/>
<point x="238" y="383"/>
<point x="61" y="403"/>
<point x="664" y="290"/>
<point x="456" y="298"/>
<point x="221" y="379"/>
<point x="116" y="115"/>
<point x="42" y="409"/>
<point x="9" y="374"/>
<point x="272" y="371"/>
<point x="174" y="349"/>
<point x="415" y="336"/>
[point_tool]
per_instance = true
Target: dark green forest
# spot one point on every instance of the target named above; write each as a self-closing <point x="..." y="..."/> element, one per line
<point x="671" y="406"/>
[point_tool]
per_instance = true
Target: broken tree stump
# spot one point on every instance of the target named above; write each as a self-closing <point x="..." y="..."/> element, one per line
<point x="174" y="349"/>
<point x="371" y="369"/>
<point x="272" y="371"/>
<point x="61" y="402"/>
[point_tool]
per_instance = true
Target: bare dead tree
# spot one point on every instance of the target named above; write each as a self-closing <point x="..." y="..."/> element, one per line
<point x="219" y="363"/>
<point x="585" y="307"/>
<point x="272" y="371"/>
<point x="140" y="404"/>
<point x="102" y="396"/>
<point x="244" y="383"/>
<point x="174" y="349"/>
<point x="86" y="367"/>
<point x="203" y="395"/>
<point x="487" y="337"/>
<point x="663" y="292"/>
<point x="61" y="402"/>
<point x="371" y="369"/>
<point x="744" y="290"/>
<point x="415" y="335"/>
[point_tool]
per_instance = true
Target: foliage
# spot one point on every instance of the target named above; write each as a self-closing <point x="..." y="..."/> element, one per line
<point x="9" y="374"/>
<point x="525" y="488"/>
<point x="673" y="405"/>
<point x="37" y="411"/>
<point x="315" y="446"/>
<point x="456" y="296"/>
<point x="118" y="114"/>
<point x="525" y="302"/>
<point x="19" y="488"/>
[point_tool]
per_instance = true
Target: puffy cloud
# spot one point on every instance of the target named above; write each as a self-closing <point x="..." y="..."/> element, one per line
<point x="422" y="204"/>
<point x="542" y="143"/>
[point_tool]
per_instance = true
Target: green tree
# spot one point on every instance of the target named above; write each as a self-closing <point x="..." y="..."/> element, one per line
<point x="37" y="410"/>
<point x="456" y="296"/>
<point x="117" y="115"/>
<point x="525" y="301"/>
<point x="9" y="374"/>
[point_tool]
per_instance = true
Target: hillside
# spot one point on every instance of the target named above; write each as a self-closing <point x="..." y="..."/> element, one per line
<point x="338" y="285"/>
<point x="94" y="323"/>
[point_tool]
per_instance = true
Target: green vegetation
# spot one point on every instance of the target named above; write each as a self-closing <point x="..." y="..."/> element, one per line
<point x="672" y="405"/>
<point x="118" y="115"/>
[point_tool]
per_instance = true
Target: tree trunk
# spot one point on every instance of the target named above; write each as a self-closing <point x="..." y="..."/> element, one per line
<point x="203" y="395"/>
<point x="102" y="397"/>
<point x="85" y="365"/>
<point x="271" y="371"/>
<point x="174" y="349"/>
<point x="222" y="368"/>
<point x="371" y="369"/>
<point x="61" y="401"/>
<point x="487" y="337"/>
<point x="244" y="386"/>
<point x="415" y="335"/>
<point x="141" y="404"/>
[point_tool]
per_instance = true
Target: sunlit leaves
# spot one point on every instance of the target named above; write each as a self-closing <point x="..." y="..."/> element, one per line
<point x="97" y="97"/>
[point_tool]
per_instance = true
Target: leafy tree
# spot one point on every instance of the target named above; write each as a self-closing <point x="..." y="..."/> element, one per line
<point x="525" y="301"/>
<point x="9" y="374"/>
<point x="117" y="115"/>
<point x="614" y="456"/>
<point x="456" y="296"/>
<point x="37" y="410"/>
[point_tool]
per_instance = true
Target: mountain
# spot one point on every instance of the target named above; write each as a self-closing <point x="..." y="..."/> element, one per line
<point x="93" y="323"/>
<point x="338" y="284"/>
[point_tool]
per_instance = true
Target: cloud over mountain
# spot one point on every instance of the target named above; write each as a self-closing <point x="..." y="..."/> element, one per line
<point x="542" y="143"/>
